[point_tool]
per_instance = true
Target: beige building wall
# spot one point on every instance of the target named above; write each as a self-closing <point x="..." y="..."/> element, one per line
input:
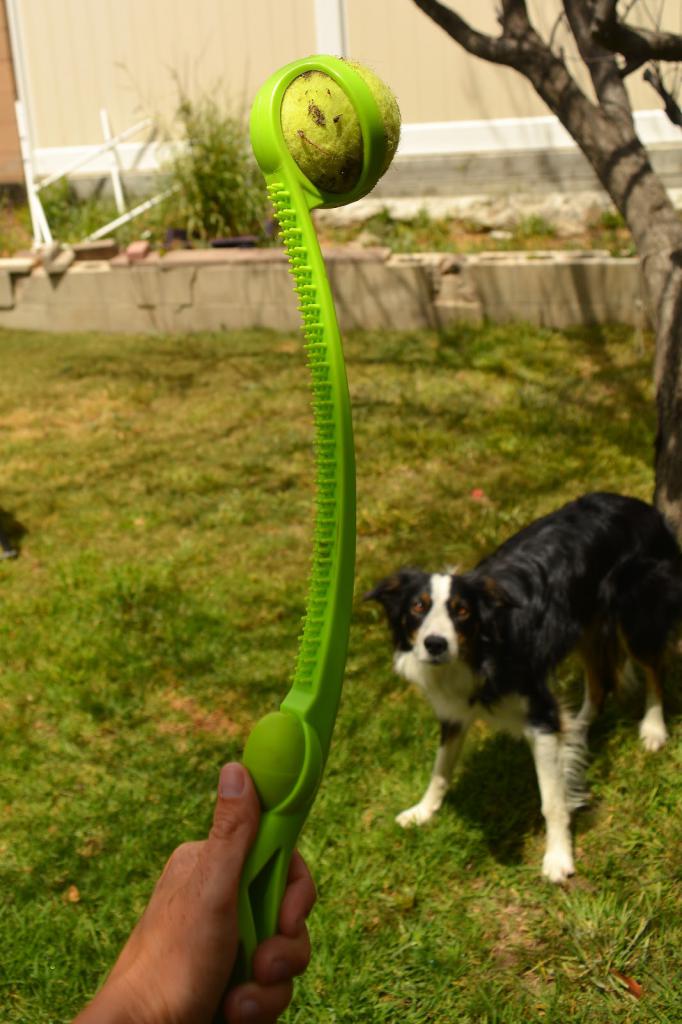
<point x="131" y="57"/>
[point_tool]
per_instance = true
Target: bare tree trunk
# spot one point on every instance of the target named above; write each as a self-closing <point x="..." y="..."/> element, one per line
<point x="626" y="173"/>
<point x="667" y="276"/>
<point x="606" y="134"/>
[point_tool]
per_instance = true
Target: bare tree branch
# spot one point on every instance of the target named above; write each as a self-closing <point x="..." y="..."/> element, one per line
<point x="600" y="62"/>
<point x="529" y="54"/>
<point x="635" y="43"/>
<point x="672" y="107"/>
<point x="605" y="132"/>
<point x="631" y="64"/>
<point x="604" y="12"/>
<point x="500" y="50"/>
<point x="514" y="19"/>
<point x="560" y="20"/>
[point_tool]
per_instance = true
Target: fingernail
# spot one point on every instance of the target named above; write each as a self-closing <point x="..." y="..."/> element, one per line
<point x="249" y="1009"/>
<point x="232" y="781"/>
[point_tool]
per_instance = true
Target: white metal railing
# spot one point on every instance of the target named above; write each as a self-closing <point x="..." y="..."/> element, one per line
<point x="42" y="233"/>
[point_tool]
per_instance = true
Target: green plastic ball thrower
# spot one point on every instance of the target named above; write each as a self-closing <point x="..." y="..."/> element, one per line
<point x="287" y="750"/>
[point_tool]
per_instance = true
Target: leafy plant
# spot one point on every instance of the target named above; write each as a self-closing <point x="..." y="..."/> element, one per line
<point x="15" y="226"/>
<point x="219" y="189"/>
<point x="534" y="226"/>
<point x="421" y="232"/>
<point x="73" y="217"/>
<point x="611" y="220"/>
<point x="613" y="234"/>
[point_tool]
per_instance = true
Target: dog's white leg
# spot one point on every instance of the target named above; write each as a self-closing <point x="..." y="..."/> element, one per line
<point x="652" y="730"/>
<point x="558" y="860"/>
<point x="451" y="742"/>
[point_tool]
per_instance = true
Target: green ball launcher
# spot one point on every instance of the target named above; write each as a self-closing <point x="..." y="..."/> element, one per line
<point x="287" y="750"/>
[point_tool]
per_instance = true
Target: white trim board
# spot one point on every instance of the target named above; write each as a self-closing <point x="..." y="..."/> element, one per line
<point x="517" y="133"/>
<point x="331" y="27"/>
<point x="438" y="138"/>
<point x="134" y="157"/>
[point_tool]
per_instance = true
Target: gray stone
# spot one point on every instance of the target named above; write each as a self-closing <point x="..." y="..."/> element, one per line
<point x="17" y="264"/>
<point x="6" y="290"/>
<point x="60" y="262"/>
<point x="103" y="249"/>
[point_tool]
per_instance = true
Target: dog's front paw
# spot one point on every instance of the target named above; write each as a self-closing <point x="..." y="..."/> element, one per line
<point x="653" y="735"/>
<point x="417" y="815"/>
<point x="558" y="866"/>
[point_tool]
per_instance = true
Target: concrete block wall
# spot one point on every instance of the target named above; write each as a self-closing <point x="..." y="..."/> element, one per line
<point x="558" y="289"/>
<point x="212" y="290"/>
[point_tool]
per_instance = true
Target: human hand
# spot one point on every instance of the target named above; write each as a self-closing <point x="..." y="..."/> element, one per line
<point x="178" y="960"/>
<point x="279" y="959"/>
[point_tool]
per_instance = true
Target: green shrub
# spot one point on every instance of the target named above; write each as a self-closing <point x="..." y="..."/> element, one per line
<point x="219" y="188"/>
<point x="70" y="217"/>
<point x="534" y="226"/>
<point x="611" y="220"/>
<point x="421" y="232"/>
<point x="73" y="217"/>
<point x="15" y="225"/>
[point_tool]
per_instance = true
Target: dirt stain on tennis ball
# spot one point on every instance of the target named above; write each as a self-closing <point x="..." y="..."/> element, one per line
<point x="322" y="130"/>
<point x="316" y="114"/>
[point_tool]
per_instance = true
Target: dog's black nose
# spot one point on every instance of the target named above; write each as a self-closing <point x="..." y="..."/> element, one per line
<point x="435" y="645"/>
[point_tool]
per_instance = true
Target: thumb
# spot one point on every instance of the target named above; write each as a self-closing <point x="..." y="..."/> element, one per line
<point x="235" y="824"/>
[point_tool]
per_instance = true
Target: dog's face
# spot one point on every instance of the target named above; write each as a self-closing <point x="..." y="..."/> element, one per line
<point x="432" y="615"/>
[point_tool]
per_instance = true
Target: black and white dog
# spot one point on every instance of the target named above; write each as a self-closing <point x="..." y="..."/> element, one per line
<point x="601" y="576"/>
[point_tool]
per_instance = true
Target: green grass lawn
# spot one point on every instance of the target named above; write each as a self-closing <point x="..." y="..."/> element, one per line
<point x="165" y="487"/>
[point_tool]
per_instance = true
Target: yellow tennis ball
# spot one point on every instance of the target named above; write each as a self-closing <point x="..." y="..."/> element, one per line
<point x="322" y="131"/>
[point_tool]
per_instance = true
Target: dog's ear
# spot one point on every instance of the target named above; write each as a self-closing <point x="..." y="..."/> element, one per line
<point x="389" y="591"/>
<point x="386" y="590"/>
<point x="496" y="593"/>
<point x="493" y="601"/>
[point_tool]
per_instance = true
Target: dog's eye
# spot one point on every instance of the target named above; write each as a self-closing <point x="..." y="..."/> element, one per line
<point x="421" y="605"/>
<point x="460" y="611"/>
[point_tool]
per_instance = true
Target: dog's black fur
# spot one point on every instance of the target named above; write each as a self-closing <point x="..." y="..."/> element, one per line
<point x="604" y="569"/>
<point x="600" y="572"/>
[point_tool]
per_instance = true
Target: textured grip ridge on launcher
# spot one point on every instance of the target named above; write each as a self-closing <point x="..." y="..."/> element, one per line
<point x="287" y="749"/>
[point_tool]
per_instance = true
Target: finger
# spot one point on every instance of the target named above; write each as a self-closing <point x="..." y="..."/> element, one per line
<point x="235" y="824"/>
<point x="281" y="958"/>
<point x="299" y="897"/>
<point x="180" y="863"/>
<point x="256" y="1004"/>
<point x="237" y="804"/>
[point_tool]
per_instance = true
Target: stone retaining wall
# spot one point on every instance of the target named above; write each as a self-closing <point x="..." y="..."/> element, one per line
<point x="204" y="290"/>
